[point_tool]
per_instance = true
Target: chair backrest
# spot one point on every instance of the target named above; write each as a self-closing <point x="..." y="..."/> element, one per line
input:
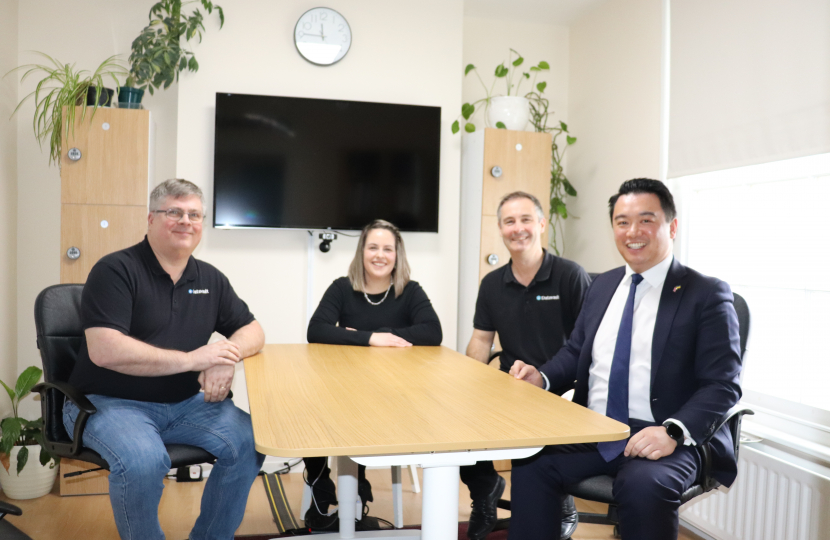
<point x="59" y="338"/>
<point x="743" y="320"/>
<point x="742" y="309"/>
<point x="59" y="330"/>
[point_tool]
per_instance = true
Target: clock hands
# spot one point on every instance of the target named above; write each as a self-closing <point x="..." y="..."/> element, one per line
<point x="321" y="35"/>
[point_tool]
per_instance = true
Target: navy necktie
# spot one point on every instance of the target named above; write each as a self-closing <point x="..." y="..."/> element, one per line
<point x="617" y="406"/>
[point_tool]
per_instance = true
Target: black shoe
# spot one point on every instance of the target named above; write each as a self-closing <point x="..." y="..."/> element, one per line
<point x="316" y="521"/>
<point x="364" y="491"/>
<point x="570" y="517"/>
<point x="323" y="495"/>
<point x="483" y="516"/>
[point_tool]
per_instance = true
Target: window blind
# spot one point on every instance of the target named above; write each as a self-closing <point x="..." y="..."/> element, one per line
<point x="750" y="82"/>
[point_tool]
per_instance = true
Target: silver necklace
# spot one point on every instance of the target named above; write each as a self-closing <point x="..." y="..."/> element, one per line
<point x="366" y="296"/>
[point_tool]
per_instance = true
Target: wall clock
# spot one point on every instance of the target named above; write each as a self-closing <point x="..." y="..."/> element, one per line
<point x="322" y="36"/>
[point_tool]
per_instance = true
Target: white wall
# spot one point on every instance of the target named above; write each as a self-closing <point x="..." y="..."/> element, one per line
<point x="487" y="43"/>
<point x="401" y="53"/>
<point x="614" y="111"/>
<point x="8" y="197"/>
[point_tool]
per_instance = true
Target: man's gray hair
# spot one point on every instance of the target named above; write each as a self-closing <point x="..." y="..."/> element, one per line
<point x="176" y="188"/>
<point x="521" y="195"/>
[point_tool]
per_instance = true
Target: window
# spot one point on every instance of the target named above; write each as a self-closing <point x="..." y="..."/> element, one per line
<point x="764" y="229"/>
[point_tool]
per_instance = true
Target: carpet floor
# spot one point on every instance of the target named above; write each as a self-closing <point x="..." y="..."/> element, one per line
<point x="462" y="534"/>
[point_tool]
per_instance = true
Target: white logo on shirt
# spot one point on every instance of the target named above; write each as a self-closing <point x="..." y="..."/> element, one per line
<point x="198" y="291"/>
<point x="548" y="297"/>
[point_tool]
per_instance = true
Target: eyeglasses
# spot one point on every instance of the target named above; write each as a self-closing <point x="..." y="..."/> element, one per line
<point x="176" y="214"/>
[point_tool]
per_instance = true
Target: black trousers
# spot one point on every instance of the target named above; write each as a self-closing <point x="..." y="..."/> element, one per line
<point x="479" y="478"/>
<point x="318" y="468"/>
<point x="647" y="492"/>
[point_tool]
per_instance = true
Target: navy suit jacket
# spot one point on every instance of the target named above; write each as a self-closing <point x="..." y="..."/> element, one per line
<point x="695" y="356"/>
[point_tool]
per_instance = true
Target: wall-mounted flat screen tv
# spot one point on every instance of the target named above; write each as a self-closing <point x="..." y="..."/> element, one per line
<point x="299" y="163"/>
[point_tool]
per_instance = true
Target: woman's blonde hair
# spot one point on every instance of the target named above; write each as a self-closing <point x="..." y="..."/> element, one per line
<point x="400" y="274"/>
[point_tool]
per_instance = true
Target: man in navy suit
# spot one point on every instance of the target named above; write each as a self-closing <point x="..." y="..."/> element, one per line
<point x="655" y="346"/>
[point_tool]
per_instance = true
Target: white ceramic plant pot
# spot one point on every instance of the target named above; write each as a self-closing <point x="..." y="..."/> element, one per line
<point x="35" y="480"/>
<point x="512" y="111"/>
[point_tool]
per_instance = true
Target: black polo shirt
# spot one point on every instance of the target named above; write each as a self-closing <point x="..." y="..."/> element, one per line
<point x="130" y="292"/>
<point x="533" y="322"/>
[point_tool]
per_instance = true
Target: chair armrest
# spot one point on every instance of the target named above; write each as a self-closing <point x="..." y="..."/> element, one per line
<point x="76" y="397"/>
<point x="85" y="408"/>
<point x="494" y="356"/>
<point x="733" y="419"/>
<point x="7" y="508"/>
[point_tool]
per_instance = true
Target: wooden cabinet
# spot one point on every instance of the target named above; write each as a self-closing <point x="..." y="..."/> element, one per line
<point x="103" y="209"/>
<point x="96" y="230"/>
<point x="104" y="193"/>
<point x="523" y="159"/>
<point x="114" y="164"/>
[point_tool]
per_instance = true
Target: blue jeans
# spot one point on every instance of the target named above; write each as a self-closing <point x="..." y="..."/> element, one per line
<point x="130" y="436"/>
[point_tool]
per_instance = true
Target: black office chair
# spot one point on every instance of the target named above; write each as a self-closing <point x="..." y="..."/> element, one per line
<point x="59" y="336"/>
<point x="7" y="530"/>
<point x="600" y="488"/>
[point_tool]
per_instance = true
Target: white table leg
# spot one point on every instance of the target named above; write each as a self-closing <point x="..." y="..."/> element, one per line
<point x="439" y="511"/>
<point x="397" y="496"/>
<point x="413" y="473"/>
<point x="347" y="498"/>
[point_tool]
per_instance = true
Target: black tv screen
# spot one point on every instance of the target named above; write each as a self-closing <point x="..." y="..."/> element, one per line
<point x="299" y="163"/>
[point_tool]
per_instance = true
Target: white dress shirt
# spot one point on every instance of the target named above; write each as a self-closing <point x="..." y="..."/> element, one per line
<point x="646" y="302"/>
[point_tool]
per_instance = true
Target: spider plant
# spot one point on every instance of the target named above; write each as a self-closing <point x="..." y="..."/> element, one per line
<point x="62" y="88"/>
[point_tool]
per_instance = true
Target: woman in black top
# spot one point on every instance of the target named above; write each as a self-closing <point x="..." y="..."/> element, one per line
<point x="376" y="305"/>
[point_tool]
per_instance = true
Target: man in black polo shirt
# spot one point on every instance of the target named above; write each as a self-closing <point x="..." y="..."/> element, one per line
<point x="532" y="302"/>
<point x="148" y="312"/>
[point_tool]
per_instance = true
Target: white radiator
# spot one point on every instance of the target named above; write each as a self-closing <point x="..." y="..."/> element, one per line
<point x="772" y="499"/>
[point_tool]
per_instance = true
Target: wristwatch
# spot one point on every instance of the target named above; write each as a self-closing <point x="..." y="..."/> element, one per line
<point x="675" y="432"/>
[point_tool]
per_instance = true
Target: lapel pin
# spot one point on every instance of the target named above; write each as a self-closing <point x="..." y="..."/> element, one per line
<point x="676" y="289"/>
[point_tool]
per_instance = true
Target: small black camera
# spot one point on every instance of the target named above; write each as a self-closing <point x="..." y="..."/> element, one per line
<point x="327" y="238"/>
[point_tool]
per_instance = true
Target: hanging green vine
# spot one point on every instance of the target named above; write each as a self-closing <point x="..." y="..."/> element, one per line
<point x="560" y="187"/>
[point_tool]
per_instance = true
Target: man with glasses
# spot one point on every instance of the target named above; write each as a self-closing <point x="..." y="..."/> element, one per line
<point x="148" y="312"/>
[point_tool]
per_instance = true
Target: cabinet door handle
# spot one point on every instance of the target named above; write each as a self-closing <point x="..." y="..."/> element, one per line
<point x="495" y="171"/>
<point x="73" y="253"/>
<point x="492" y="259"/>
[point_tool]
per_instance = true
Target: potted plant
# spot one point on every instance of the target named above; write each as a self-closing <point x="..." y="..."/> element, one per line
<point x="534" y="106"/>
<point x="157" y="55"/>
<point x="25" y="478"/>
<point x="61" y="89"/>
<point x="508" y="111"/>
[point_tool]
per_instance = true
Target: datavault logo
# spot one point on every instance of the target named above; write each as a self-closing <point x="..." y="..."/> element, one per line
<point x="198" y="291"/>
<point x="547" y="297"/>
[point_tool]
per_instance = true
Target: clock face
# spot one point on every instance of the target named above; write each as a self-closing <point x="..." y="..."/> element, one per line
<point x="322" y="36"/>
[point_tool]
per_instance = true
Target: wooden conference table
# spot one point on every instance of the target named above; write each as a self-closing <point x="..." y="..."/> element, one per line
<point x="428" y="406"/>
